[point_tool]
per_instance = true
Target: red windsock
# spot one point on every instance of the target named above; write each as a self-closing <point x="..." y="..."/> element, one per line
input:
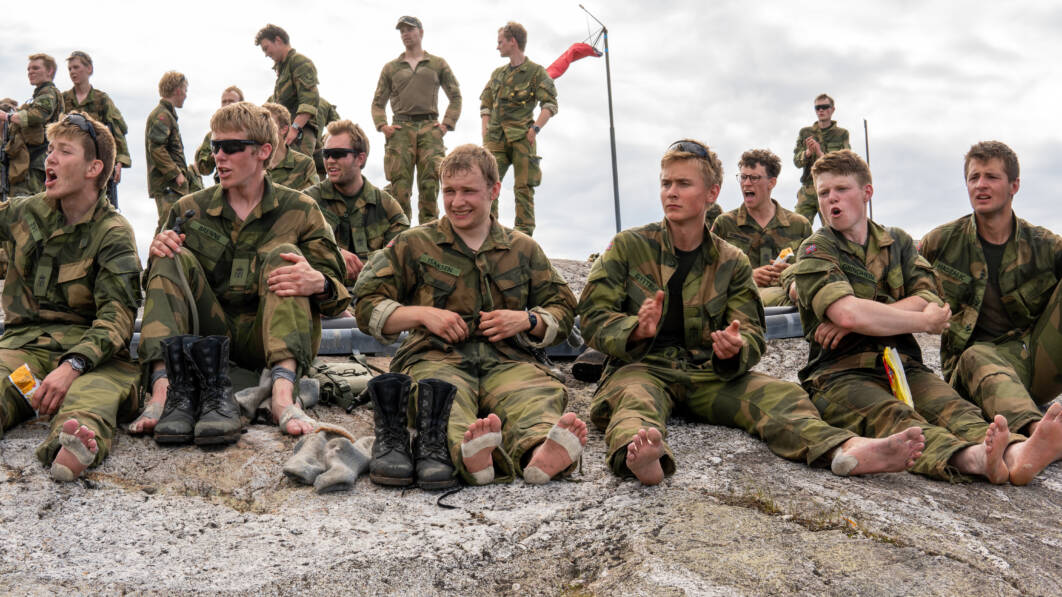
<point x="577" y="51"/>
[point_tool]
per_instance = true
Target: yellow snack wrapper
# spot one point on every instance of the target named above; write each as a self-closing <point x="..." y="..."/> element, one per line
<point x="783" y="256"/>
<point x="897" y="376"/>
<point x="24" y="380"/>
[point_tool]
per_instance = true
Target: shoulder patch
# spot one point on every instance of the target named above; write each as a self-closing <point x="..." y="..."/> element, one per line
<point x="810" y="249"/>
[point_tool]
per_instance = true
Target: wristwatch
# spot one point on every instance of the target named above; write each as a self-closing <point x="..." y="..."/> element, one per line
<point x="77" y="363"/>
<point x="537" y="128"/>
<point x="532" y="319"/>
<point x="296" y="127"/>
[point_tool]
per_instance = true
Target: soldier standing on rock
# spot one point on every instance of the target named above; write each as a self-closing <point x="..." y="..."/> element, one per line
<point x="814" y="141"/>
<point x="295" y="89"/>
<point x="169" y="177"/>
<point x="676" y="310"/>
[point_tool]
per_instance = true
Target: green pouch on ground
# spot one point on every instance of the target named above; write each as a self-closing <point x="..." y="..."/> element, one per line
<point x="342" y="383"/>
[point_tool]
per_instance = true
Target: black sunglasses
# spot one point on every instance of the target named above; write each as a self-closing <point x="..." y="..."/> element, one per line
<point x="82" y="123"/>
<point x="822" y="107"/>
<point x="230" y="146"/>
<point x="339" y="153"/>
<point x="690" y="147"/>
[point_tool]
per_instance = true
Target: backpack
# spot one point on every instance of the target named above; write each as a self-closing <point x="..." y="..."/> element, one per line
<point x="342" y="383"/>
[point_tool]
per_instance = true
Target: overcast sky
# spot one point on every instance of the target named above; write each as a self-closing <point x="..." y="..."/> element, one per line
<point x="931" y="78"/>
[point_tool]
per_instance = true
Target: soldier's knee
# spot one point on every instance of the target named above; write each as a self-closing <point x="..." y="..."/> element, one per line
<point x="272" y="258"/>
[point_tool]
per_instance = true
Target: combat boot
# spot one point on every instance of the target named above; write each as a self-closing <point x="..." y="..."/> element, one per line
<point x="435" y="470"/>
<point x="391" y="462"/>
<point x="219" y="414"/>
<point x="177" y="423"/>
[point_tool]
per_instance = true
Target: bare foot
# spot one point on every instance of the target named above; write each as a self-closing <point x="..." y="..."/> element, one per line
<point x="1026" y="459"/>
<point x="281" y="401"/>
<point x="891" y="454"/>
<point x="147" y="420"/>
<point x="558" y="451"/>
<point x="482" y="458"/>
<point x="986" y="458"/>
<point x="67" y="466"/>
<point x="643" y="456"/>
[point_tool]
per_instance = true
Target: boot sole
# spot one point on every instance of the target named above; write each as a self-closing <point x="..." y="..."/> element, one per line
<point x="391" y="481"/>
<point x="433" y="485"/>
<point x="173" y="439"/>
<point x="214" y="440"/>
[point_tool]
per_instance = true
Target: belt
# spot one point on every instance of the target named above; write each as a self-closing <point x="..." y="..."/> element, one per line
<point x="414" y="117"/>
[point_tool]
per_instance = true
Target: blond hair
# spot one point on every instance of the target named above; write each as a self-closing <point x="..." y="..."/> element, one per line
<point x="359" y="142"/>
<point x="709" y="165"/>
<point x="104" y="141"/>
<point x="49" y="62"/>
<point x="467" y="158"/>
<point x="170" y="82"/>
<point x="244" y="117"/>
<point x="844" y="162"/>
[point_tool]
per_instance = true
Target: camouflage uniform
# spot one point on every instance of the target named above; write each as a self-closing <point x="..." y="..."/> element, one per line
<point x="364" y="223"/>
<point x="70" y="290"/>
<point x="100" y="106"/>
<point x="296" y="90"/>
<point x="714" y="211"/>
<point x="296" y="171"/>
<point x="226" y="263"/>
<point x="204" y="159"/>
<point x="27" y="146"/>
<point x="848" y="383"/>
<point x="509" y="100"/>
<point x="763" y="245"/>
<point x="642" y="382"/>
<point x="326" y="114"/>
<point x="831" y="138"/>
<point x="414" y="96"/>
<point x="1010" y="374"/>
<point x="430" y="266"/>
<point x="165" y="159"/>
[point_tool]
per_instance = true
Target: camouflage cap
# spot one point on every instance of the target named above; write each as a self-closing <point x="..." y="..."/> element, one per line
<point x="408" y="20"/>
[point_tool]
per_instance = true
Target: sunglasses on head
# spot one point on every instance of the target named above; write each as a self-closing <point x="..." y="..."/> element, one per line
<point x="82" y="123"/>
<point x="822" y="107"/>
<point x="690" y="147"/>
<point x="339" y="153"/>
<point x="230" y="146"/>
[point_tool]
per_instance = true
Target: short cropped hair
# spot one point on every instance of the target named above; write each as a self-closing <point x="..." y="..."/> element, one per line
<point x="49" y="62"/>
<point x="234" y="89"/>
<point x="984" y="151"/>
<point x="467" y="157"/>
<point x="766" y="157"/>
<point x="253" y="121"/>
<point x="359" y="142"/>
<point x="271" y="32"/>
<point x="825" y="97"/>
<point x="82" y="56"/>
<point x="280" y="115"/>
<point x="844" y="162"/>
<point x="710" y="166"/>
<point x="514" y="30"/>
<point x="171" y="82"/>
<point x="104" y="140"/>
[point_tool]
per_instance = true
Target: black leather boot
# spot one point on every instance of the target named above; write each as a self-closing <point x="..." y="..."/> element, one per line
<point x="435" y="470"/>
<point x="219" y="414"/>
<point x="177" y="423"/>
<point x="391" y="462"/>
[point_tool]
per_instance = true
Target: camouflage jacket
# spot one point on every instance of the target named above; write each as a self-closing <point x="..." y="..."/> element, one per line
<point x="230" y="250"/>
<point x="714" y="211"/>
<point x="718" y="289"/>
<point x="829" y="267"/>
<point x="38" y="113"/>
<point x="326" y="114"/>
<point x="78" y="285"/>
<point x="296" y="171"/>
<point x="1031" y="268"/>
<point x="100" y="106"/>
<point x="364" y="223"/>
<point x="762" y="245"/>
<point x="204" y="157"/>
<point x="510" y="96"/>
<point x="296" y="86"/>
<point x="414" y="92"/>
<point x="431" y="266"/>
<point x="831" y="138"/>
<point x="165" y="152"/>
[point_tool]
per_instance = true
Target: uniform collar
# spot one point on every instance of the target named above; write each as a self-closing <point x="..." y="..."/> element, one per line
<point x="165" y="103"/>
<point x="707" y="248"/>
<point x="1015" y="230"/>
<point x="497" y="238"/>
<point x="287" y="57"/>
<point x="215" y="204"/>
<point x="743" y="216"/>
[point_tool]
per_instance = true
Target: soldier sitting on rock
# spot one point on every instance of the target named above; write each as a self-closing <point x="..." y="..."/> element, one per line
<point x="861" y="288"/>
<point x="70" y="299"/>
<point x="676" y="310"/>
<point x="479" y="300"/>
<point x="256" y="264"/>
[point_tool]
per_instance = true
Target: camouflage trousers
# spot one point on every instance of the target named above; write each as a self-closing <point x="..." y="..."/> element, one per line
<point x="305" y="142"/>
<point x="526" y="176"/>
<point x="861" y="401"/>
<point x="98" y="399"/>
<point x="643" y="394"/>
<point x="263" y="331"/>
<point x="416" y="145"/>
<point x="774" y="296"/>
<point x="525" y="396"/>
<point x="807" y="204"/>
<point x="163" y="202"/>
<point x="1013" y="375"/>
